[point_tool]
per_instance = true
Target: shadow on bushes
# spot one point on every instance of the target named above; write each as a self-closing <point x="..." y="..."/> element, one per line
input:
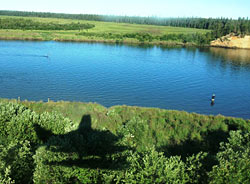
<point x="210" y="143"/>
<point x="94" y="148"/>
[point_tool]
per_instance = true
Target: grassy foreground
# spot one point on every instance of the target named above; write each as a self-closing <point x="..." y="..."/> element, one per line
<point x="120" y="144"/>
<point x="103" y="32"/>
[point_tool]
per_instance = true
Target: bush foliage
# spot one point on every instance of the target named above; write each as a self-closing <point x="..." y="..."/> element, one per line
<point x="198" y="38"/>
<point x="120" y="145"/>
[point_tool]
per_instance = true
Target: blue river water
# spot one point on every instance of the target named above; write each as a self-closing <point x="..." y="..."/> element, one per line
<point x="169" y="78"/>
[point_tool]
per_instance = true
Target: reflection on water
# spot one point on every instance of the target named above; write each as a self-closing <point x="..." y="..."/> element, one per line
<point x="240" y="57"/>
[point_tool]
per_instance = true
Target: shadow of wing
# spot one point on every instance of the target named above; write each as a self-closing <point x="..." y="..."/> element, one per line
<point x="42" y="133"/>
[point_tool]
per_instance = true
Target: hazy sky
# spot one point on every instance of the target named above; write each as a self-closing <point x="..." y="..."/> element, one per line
<point x="161" y="8"/>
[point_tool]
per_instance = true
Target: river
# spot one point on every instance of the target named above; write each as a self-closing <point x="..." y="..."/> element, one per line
<point x="169" y="78"/>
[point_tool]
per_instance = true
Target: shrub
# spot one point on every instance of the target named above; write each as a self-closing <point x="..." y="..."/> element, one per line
<point x="22" y="131"/>
<point x="48" y="148"/>
<point x="8" y="110"/>
<point x="19" y="123"/>
<point x="195" y="168"/>
<point x="16" y="163"/>
<point x="234" y="160"/>
<point x="154" y="167"/>
<point x="76" y="156"/>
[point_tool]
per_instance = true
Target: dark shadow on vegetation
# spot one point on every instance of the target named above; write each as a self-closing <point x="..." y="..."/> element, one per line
<point x="95" y="148"/>
<point x="210" y="143"/>
<point x="42" y="133"/>
<point x="21" y="172"/>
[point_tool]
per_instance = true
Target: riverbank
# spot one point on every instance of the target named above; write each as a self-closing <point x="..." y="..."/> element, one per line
<point x="75" y="110"/>
<point x="68" y="36"/>
<point x="232" y="41"/>
<point x="229" y="41"/>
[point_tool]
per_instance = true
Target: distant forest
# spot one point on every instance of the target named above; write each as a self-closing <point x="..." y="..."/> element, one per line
<point x="219" y="26"/>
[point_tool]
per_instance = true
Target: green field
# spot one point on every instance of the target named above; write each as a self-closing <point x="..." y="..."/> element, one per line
<point x="97" y="32"/>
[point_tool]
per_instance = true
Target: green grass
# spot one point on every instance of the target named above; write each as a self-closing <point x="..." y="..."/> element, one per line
<point x="100" y="28"/>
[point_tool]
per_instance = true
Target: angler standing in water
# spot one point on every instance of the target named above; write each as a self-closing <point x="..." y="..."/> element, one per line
<point x="212" y="99"/>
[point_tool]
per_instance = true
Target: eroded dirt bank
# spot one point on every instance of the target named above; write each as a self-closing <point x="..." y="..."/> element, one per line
<point x="232" y="41"/>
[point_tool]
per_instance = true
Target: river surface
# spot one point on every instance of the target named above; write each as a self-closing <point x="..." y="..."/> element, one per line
<point x="169" y="78"/>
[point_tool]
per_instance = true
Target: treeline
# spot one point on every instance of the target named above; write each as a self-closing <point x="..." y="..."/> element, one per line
<point x="197" y="39"/>
<point x="220" y="26"/>
<point x="120" y="145"/>
<point x="28" y="24"/>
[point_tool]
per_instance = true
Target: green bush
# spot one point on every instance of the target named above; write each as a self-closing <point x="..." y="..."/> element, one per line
<point x="5" y="175"/>
<point x="121" y="145"/>
<point x="153" y="167"/>
<point x="196" y="168"/>
<point x="76" y="156"/>
<point x="234" y="160"/>
<point x="19" y="123"/>
<point x="22" y="131"/>
<point x="16" y="163"/>
<point x="7" y="111"/>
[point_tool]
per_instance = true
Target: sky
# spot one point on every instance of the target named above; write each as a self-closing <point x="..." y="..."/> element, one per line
<point x="159" y="8"/>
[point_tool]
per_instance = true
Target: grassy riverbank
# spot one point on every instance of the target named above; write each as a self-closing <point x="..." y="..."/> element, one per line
<point x="109" y="32"/>
<point x="75" y="111"/>
<point x="120" y="144"/>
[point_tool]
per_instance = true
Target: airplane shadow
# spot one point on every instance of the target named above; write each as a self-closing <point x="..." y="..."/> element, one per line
<point x="95" y="148"/>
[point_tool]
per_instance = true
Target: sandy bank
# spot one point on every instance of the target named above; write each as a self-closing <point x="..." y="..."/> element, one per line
<point x="232" y="41"/>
